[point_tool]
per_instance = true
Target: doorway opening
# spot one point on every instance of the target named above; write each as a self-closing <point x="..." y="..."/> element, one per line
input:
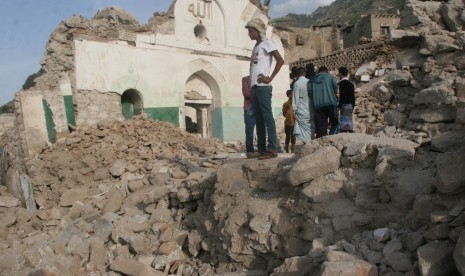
<point x="198" y="100"/>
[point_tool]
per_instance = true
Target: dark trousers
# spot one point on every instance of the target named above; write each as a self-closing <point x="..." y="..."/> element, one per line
<point x="249" y="127"/>
<point x="322" y="115"/>
<point x="289" y="130"/>
<point x="264" y="121"/>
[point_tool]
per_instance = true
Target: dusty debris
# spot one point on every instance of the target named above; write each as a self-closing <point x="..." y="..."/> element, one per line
<point x="141" y="197"/>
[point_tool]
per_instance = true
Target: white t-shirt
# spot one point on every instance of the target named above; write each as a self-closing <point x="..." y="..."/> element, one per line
<point x="261" y="61"/>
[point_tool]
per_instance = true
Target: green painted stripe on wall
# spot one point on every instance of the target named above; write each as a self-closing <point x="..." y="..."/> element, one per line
<point x="51" y="132"/>
<point x="165" y="114"/>
<point x="217" y="123"/>
<point x="233" y="124"/>
<point x="69" y="110"/>
<point x="233" y="128"/>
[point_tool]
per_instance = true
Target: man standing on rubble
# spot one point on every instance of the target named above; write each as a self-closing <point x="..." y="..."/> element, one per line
<point x="302" y="108"/>
<point x="323" y="90"/>
<point x="260" y="65"/>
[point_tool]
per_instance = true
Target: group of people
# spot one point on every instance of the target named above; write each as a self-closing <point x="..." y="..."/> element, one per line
<point x="313" y="99"/>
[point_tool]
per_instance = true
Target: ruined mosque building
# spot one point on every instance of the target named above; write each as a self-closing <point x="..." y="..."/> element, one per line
<point x="184" y="67"/>
<point x="187" y="62"/>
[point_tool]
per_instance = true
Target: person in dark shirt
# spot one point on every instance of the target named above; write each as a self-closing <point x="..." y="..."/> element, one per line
<point x="323" y="92"/>
<point x="310" y="71"/>
<point x="346" y="100"/>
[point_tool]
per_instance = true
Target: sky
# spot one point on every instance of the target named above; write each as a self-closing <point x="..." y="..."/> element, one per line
<point x="27" y="24"/>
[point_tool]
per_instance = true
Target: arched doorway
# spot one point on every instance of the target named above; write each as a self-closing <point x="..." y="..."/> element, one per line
<point x="131" y="103"/>
<point x="198" y="98"/>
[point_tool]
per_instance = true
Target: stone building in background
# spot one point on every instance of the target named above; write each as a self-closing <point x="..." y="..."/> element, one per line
<point x="372" y="27"/>
<point x="307" y="43"/>
<point x="320" y="41"/>
<point x="186" y="63"/>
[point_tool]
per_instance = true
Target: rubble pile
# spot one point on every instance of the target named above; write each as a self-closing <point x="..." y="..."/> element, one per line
<point x="141" y="197"/>
<point x="350" y="202"/>
<point x="122" y="189"/>
<point x="421" y="92"/>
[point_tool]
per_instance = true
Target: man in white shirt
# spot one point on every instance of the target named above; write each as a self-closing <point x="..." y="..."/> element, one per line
<point x="260" y="65"/>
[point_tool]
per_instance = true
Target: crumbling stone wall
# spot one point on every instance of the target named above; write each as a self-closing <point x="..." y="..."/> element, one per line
<point x="307" y="43"/>
<point x="379" y="23"/>
<point x="6" y="123"/>
<point x="141" y="197"/>
<point x="98" y="106"/>
<point x="370" y="28"/>
<point x="351" y="58"/>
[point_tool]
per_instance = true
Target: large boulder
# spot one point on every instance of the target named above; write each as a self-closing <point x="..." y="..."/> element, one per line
<point x="451" y="171"/>
<point x="399" y="78"/>
<point x="411" y="58"/>
<point x="435" y="258"/>
<point x="432" y="44"/>
<point x="434" y="114"/>
<point x="460" y="89"/>
<point x="342" y="263"/>
<point x="460" y="119"/>
<point x="419" y="12"/>
<point x="309" y="167"/>
<point x="348" y="268"/>
<point x="448" y="141"/>
<point x="395" y="118"/>
<point x="325" y="188"/>
<point x="358" y="146"/>
<point x="436" y="94"/>
<point x="451" y="13"/>
<point x="459" y="254"/>
<point x="295" y="266"/>
<point x="404" y="38"/>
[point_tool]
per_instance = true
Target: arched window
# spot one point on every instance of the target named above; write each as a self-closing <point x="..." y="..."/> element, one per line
<point x="131" y="103"/>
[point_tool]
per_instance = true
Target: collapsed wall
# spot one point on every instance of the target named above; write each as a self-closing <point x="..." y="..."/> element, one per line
<point x="45" y="107"/>
<point x="143" y="198"/>
<point x="111" y="67"/>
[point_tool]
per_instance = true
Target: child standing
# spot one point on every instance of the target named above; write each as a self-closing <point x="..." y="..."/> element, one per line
<point x="289" y="122"/>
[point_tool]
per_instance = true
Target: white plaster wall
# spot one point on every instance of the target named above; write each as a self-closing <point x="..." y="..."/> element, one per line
<point x="160" y="65"/>
<point x="33" y="116"/>
<point x="55" y="99"/>
<point x="190" y="13"/>
<point x="160" y="75"/>
<point x="224" y="21"/>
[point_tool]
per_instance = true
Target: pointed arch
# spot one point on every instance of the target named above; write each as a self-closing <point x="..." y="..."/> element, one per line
<point x="217" y="84"/>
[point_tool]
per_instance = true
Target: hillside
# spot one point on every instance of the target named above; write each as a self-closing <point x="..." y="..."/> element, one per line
<point x="7" y="108"/>
<point x="340" y="12"/>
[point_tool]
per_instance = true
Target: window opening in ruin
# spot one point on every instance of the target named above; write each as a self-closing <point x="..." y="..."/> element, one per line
<point x="200" y="33"/>
<point x="385" y="30"/>
<point x="191" y="119"/>
<point x="299" y="40"/>
<point x="131" y="103"/>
